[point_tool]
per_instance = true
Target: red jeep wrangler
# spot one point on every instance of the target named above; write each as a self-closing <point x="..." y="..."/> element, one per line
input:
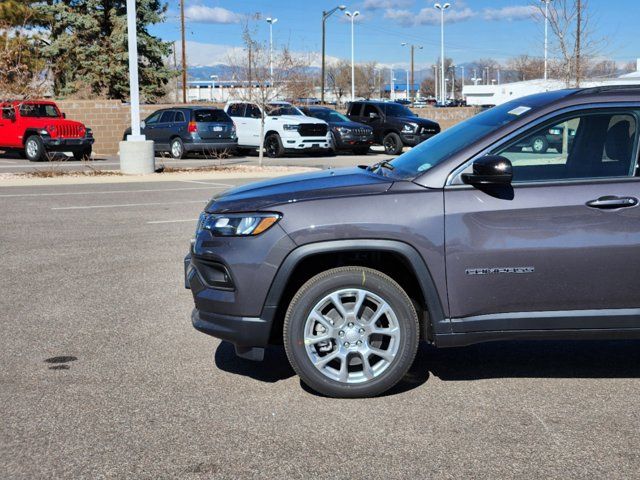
<point x="34" y="127"/>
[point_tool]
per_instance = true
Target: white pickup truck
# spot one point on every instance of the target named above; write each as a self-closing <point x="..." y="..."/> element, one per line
<point x="286" y="128"/>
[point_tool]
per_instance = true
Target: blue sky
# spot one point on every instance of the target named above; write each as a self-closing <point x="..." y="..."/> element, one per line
<point x="474" y="29"/>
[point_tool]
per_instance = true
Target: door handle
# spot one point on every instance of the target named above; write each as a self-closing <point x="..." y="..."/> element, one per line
<point x="611" y="202"/>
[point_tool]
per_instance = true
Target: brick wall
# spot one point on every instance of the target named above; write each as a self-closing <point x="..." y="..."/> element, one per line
<point x="110" y="118"/>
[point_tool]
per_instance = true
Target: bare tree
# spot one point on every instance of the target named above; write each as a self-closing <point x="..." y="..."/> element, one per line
<point x="339" y="79"/>
<point x="526" y="67"/>
<point x="366" y="80"/>
<point x="260" y="87"/>
<point x="571" y="22"/>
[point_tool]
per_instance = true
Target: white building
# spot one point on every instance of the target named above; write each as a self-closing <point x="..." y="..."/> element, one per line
<point x="489" y="95"/>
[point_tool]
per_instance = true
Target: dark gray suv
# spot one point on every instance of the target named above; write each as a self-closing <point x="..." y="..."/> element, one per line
<point x="182" y="130"/>
<point x="466" y="238"/>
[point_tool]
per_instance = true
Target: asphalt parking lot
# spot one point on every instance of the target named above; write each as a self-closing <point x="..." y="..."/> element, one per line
<point x="104" y="377"/>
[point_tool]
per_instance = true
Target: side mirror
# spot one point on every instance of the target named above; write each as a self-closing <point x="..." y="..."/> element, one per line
<point x="490" y="170"/>
<point x="142" y="124"/>
<point x="64" y="115"/>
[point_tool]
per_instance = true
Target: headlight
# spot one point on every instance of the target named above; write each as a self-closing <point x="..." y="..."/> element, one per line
<point x="343" y="130"/>
<point x="289" y="126"/>
<point x="236" y="224"/>
<point x="409" y="127"/>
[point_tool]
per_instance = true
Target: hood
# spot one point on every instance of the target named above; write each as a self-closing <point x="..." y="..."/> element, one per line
<point x="423" y="122"/>
<point x="297" y="119"/>
<point x="341" y="182"/>
<point x="350" y="125"/>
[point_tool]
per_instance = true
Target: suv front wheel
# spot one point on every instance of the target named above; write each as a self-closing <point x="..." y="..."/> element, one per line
<point x="34" y="148"/>
<point x="392" y="144"/>
<point x="351" y="332"/>
<point x="273" y="146"/>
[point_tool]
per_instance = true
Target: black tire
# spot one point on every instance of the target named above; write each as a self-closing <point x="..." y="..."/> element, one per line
<point x="539" y="145"/>
<point x="82" y="155"/>
<point x="273" y="146"/>
<point x="34" y="148"/>
<point x="176" y="148"/>
<point x="334" y="144"/>
<point x="392" y="144"/>
<point x="361" y="150"/>
<point x="373" y="282"/>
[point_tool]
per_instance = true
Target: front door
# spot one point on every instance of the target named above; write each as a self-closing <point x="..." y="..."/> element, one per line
<point x="8" y="127"/>
<point x="560" y="248"/>
<point x="151" y="127"/>
<point x="252" y="119"/>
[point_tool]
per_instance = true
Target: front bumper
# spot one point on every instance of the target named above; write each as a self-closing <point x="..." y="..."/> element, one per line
<point x="210" y="145"/>
<point x="413" y="139"/>
<point x="349" y="142"/>
<point x="292" y="141"/>
<point x="66" y="144"/>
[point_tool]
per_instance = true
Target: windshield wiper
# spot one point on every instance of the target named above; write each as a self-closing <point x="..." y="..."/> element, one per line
<point x="383" y="164"/>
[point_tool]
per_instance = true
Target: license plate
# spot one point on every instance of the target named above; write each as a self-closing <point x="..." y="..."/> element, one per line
<point x="217" y="129"/>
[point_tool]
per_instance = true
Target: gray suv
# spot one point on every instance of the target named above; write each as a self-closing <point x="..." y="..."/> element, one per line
<point x="466" y="238"/>
<point x="183" y="130"/>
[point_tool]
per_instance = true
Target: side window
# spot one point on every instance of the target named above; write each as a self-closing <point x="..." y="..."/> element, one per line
<point x="356" y="109"/>
<point x="168" y="116"/>
<point x="370" y="109"/>
<point x="8" y="112"/>
<point x="236" y="110"/>
<point x="252" y="111"/>
<point x="179" y="117"/>
<point x="590" y="145"/>
<point x="153" y="118"/>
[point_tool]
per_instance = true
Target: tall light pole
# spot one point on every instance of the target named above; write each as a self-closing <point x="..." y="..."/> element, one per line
<point x="391" y="79"/>
<point x="184" y="54"/>
<point x="271" y="21"/>
<point x="546" y="38"/>
<point x="435" y="81"/>
<point x="407" y="92"/>
<point x="325" y="15"/>
<point x="213" y="84"/>
<point x="352" y="16"/>
<point x="443" y="90"/>
<point x="404" y="44"/>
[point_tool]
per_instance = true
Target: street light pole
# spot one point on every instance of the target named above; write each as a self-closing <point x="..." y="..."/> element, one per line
<point x="271" y="21"/>
<point x="184" y="54"/>
<point x="325" y="15"/>
<point x="443" y="90"/>
<point x="546" y="38"/>
<point x="352" y="16"/>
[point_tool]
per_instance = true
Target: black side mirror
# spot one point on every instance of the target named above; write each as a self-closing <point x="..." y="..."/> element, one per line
<point x="490" y="170"/>
<point x="64" y="115"/>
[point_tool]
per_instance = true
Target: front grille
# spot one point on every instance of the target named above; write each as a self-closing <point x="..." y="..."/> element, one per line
<point x="312" y="129"/>
<point x="361" y="131"/>
<point x="69" y="131"/>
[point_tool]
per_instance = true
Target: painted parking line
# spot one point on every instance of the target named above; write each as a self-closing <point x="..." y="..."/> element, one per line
<point x="88" y="207"/>
<point x="149" y="190"/>
<point x="156" y="222"/>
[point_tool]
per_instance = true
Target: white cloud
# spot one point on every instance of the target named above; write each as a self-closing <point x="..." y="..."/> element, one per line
<point x="428" y="16"/>
<point x="520" y="12"/>
<point x="204" y="14"/>
<point x="378" y="4"/>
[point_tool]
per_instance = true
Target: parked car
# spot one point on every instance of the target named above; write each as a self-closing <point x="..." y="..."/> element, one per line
<point x="552" y="138"/>
<point x="402" y="101"/>
<point x="286" y="129"/>
<point x="183" y="130"/>
<point x="394" y="126"/>
<point x="35" y="127"/>
<point x="345" y="134"/>
<point x="455" y="242"/>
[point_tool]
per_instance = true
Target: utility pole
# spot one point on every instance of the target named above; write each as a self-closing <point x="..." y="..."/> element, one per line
<point x="413" y="47"/>
<point x="325" y="15"/>
<point x="175" y="68"/>
<point x="184" y="54"/>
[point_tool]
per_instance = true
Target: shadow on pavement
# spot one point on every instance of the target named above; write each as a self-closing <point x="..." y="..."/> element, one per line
<point x="275" y="366"/>
<point x="534" y="359"/>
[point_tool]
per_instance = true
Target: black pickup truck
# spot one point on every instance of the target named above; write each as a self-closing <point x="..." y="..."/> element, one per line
<point x="394" y="125"/>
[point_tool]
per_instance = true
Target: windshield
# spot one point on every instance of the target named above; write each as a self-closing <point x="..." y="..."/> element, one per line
<point x="38" y="110"/>
<point x="397" y="110"/>
<point x="329" y="116"/>
<point x="442" y="146"/>
<point x="277" y="109"/>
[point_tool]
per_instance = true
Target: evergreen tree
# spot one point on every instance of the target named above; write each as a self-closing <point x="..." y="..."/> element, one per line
<point x="88" y="48"/>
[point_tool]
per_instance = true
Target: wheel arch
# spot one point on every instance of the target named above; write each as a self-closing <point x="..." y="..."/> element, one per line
<point x="397" y="259"/>
<point x="28" y="133"/>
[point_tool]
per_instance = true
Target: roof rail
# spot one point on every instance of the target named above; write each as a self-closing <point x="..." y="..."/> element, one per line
<point x="607" y="88"/>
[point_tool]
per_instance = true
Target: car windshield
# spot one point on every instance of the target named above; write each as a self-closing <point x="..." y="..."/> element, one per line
<point x="329" y="116"/>
<point x="277" y="109"/>
<point x="397" y="110"/>
<point x="38" y="110"/>
<point x="442" y="146"/>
